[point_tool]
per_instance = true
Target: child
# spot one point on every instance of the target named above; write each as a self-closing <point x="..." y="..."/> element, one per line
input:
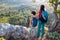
<point x="33" y="24"/>
<point x="33" y="19"/>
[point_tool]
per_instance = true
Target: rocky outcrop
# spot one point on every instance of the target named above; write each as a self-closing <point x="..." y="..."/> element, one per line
<point x="57" y="29"/>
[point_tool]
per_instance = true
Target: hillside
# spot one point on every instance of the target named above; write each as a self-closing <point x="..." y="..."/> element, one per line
<point x="15" y="14"/>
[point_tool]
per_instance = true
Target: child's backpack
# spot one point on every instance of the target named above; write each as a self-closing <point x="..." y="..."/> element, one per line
<point x="43" y="16"/>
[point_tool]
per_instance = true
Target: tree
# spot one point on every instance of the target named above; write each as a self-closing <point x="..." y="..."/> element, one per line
<point x="55" y="4"/>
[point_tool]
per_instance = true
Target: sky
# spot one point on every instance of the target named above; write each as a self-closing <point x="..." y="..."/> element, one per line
<point x="23" y="2"/>
<point x="30" y="1"/>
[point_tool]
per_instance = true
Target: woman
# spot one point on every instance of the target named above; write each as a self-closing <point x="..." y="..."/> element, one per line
<point x="43" y="15"/>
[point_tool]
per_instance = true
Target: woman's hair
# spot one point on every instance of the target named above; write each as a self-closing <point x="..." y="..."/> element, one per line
<point x="33" y="12"/>
<point x="42" y="8"/>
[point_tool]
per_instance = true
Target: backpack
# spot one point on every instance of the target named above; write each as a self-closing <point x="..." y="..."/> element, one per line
<point x="44" y="16"/>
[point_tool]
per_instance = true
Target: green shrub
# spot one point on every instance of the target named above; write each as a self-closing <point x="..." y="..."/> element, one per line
<point x="53" y="36"/>
<point x="4" y="20"/>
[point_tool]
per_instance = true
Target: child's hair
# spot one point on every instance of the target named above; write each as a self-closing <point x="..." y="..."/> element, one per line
<point x="33" y="12"/>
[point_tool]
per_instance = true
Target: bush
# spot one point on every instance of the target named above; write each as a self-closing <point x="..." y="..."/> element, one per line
<point x="53" y="36"/>
<point x="4" y="20"/>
